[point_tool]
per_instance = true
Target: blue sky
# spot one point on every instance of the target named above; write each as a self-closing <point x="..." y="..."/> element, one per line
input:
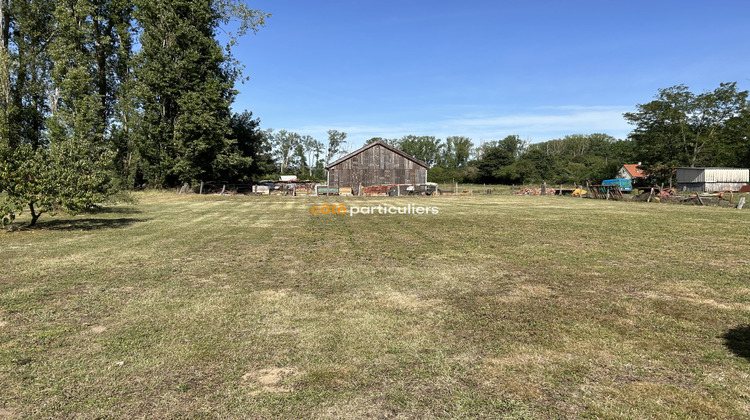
<point x="482" y="69"/>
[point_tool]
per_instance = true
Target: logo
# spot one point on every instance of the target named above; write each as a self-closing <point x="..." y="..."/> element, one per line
<point x="329" y="209"/>
<point x="383" y="209"/>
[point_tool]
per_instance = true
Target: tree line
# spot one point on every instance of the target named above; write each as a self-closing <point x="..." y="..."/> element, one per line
<point x="512" y="160"/>
<point x="676" y="129"/>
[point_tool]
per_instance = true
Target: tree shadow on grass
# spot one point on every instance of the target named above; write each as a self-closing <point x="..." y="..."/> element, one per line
<point x="114" y="210"/>
<point x="737" y="340"/>
<point x="88" y="223"/>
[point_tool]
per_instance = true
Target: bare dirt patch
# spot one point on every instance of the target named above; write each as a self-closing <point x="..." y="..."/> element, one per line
<point x="98" y="329"/>
<point x="6" y="414"/>
<point x="270" y="380"/>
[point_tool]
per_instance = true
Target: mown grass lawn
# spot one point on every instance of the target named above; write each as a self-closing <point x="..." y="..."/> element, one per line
<point x="499" y="306"/>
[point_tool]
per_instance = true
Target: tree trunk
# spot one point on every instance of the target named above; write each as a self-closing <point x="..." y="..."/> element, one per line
<point x="34" y="215"/>
<point x="4" y="27"/>
<point x="101" y="74"/>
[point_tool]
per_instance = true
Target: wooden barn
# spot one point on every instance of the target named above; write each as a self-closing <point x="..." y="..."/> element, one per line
<point x="375" y="164"/>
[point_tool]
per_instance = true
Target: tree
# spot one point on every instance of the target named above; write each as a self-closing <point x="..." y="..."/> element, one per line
<point x="336" y="142"/>
<point x="51" y="132"/>
<point x="285" y="145"/>
<point x="77" y="107"/>
<point x="533" y="166"/>
<point x="680" y="128"/>
<point x="497" y="154"/>
<point x="313" y="151"/>
<point x="580" y="157"/>
<point x="251" y="147"/>
<point x="455" y="152"/>
<point x="424" y="148"/>
<point x="185" y="81"/>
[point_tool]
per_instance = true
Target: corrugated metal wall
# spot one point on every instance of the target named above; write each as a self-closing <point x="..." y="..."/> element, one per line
<point x="690" y="175"/>
<point x="731" y="175"/>
<point x="376" y="166"/>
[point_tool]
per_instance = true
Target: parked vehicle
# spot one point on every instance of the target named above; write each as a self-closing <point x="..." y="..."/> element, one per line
<point x="624" y="184"/>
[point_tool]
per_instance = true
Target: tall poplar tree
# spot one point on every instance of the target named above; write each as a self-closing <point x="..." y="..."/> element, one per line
<point x="186" y="83"/>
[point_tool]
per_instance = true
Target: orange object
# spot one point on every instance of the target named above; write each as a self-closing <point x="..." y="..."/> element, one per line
<point x="731" y="195"/>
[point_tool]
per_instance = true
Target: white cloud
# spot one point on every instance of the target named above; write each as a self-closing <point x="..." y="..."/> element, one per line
<point x="535" y="125"/>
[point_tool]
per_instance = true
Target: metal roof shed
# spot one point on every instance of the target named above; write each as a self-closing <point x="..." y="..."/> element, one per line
<point x="712" y="179"/>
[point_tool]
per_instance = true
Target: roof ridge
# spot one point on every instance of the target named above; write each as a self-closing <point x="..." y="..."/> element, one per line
<point x="375" y="143"/>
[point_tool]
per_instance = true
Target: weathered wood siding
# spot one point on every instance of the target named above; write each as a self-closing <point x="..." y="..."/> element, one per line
<point x="376" y="166"/>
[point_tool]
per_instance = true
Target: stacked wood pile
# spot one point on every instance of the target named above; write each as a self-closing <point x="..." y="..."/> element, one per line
<point x="534" y="191"/>
<point x="378" y="190"/>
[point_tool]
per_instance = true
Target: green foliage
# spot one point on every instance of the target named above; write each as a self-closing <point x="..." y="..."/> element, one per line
<point x="55" y="109"/>
<point x="185" y="90"/>
<point x="572" y="159"/>
<point x="680" y="128"/>
<point x="284" y="145"/>
<point x="424" y="148"/>
<point x="250" y="152"/>
<point x="336" y="142"/>
<point x="456" y="152"/>
<point x="494" y="156"/>
<point x="68" y="176"/>
<point x="445" y="175"/>
<point x="81" y="113"/>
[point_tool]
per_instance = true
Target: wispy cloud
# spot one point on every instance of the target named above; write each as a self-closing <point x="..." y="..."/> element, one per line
<point x="542" y="123"/>
<point x="535" y="125"/>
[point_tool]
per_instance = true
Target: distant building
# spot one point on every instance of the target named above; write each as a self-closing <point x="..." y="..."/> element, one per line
<point x="632" y="173"/>
<point x="375" y="164"/>
<point x="712" y="179"/>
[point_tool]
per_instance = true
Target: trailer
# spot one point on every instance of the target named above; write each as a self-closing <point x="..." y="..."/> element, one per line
<point x="625" y="185"/>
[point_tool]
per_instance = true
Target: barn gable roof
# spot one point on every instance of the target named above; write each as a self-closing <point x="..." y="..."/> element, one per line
<point x="373" y="144"/>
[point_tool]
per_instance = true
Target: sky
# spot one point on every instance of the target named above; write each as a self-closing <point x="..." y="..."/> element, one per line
<point x="482" y="69"/>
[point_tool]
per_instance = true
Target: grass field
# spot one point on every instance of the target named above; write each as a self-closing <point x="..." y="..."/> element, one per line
<point x="498" y="306"/>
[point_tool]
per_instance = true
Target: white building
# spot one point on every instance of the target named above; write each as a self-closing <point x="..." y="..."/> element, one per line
<point x="712" y="179"/>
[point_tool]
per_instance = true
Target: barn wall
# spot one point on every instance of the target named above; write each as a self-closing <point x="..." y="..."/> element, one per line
<point x="690" y="175"/>
<point x="724" y="175"/>
<point x="374" y="166"/>
<point x="711" y="179"/>
<point x="709" y="186"/>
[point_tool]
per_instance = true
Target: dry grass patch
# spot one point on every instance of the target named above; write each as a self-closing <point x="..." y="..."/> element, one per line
<point x="273" y="380"/>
